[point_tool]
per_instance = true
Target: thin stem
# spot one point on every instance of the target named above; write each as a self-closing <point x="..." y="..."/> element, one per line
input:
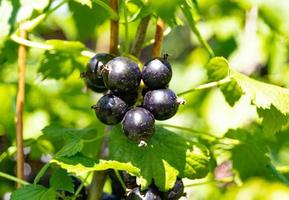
<point x="41" y="173"/>
<point x="20" y="108"/>
<point x="3" y="156"/>
<point x="188" y="15"/>
<point x="39" y="45"/>
<point x="13" y="178"/>
<point x="80" y="188"/>
<point x="277" y="174"/>
<point x="200" y="183"/>
<point x="140" y="36"/>
<point x="114" y="29"/>
<point x="156" y="52"/>
<point x="29" y="43"/>
<point x="207" y="86"/>
<point x="120" y="180"/>
<point x="196" y="132"/>
<point x="126" y="33"/>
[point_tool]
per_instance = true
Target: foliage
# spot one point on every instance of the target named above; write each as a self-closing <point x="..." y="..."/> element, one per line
<point x="238" y="49"/>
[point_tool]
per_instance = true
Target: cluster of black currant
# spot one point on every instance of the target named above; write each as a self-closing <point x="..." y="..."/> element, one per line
<point x="134" y="192"/>
<point x="121" y="77"/>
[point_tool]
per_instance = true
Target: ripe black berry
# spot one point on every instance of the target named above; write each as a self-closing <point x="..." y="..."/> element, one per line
<point x="129" y="97"/>
<point x="161" y="103"/>
<point x="110" y="109"/>
<point x="157" y="73"/>
<point x="121" y="75"/>
<point x="176" y="192"/>
<point x="92" y="76"/>
<point x="149" y="194"/>
<point x="138" y="124"/>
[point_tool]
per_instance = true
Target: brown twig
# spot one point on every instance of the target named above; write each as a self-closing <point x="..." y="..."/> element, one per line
<point x="140" y="36"/>
<point x="114" y="29"/>
<point x="20" y="108"/>
<point x="156" y="52"/>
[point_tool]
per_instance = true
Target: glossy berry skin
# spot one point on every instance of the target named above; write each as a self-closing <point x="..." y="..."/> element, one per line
<point x="149" y="194"/>
<point x="161" y="103"/>
<point x="157" y="73"/>
<point x="92" y="76"/>
<point x="121" y="75"/>
<point x="138" y="124"/>
<point x="129" y="97"/>
<point x="176" y="192"/>
<point x="110" y="109"/>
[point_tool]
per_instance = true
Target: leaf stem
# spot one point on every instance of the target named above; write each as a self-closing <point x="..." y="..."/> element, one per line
<point x="207" y="86"/>
<point x="196" y="132"/>
<point x="80" y="187"/>
<point x="39" y="45"/>
<point x="41" y="173"/>
<point x="188" y="15"/>
<point x="126" y="33"/>
<point x="200" y="183"/>
<point x="140" y="36"/>
<point x="29" y="43"/>
<point x="156" y="52"/>
<point x="13" y="178"/>
<point x="120" y="180"/>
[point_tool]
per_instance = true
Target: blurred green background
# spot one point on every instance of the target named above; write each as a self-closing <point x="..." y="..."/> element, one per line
<point x="251" y="34"/>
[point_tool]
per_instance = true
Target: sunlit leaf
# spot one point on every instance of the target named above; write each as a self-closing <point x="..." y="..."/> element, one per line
<point x="166" y="156"/>
<point x="272" y="101"/>
<point x="80" y="164"/>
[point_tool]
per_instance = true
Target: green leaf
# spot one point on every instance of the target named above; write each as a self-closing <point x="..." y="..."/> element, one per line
<point x="166" y="10"/>
<point x="59" y="132"/>
<point x="62" y="60"/>
<point x="250" y="156"/>
<point x="217" y="69"/>
<point x="167" y="156"/>
<point x="34" y="192"/>
<point x="60" y="180"/>
<point x="80" y="164"/>
<point x="72" y="146"/>
<point x="272" y="101"/>
<point x="85" y="2"/>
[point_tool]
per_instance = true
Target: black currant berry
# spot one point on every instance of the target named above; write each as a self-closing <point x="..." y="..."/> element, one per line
<point x="149" y="194"/>
<point x="157" y="73"/>
<point x="161" y="103"/>
<point x="138" y="124"/>
<point x="110" y="109"/>
<point x="129" y="97"/>
<point x="92" y="76"/>
<point x="121" y="75"/>
<point x="176" y="192"/>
